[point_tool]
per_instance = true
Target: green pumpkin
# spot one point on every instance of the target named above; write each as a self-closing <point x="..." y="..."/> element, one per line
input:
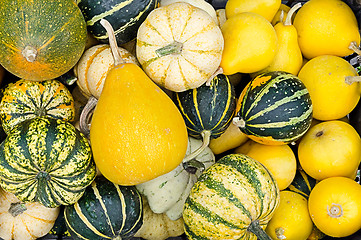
<point x="105" y="211"/>
<point x="46" y="160"/>
<point x="234" y="198"/>
<point x="207" y="110"/>
<point x="274" y="108"/>
<point x="41" y="40"/>
<point x="26" y="99"/>
<point x="302" y="183"/>
<point x="124" y="16"/>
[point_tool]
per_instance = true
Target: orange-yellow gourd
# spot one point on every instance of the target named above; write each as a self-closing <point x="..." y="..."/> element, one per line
<point x="136" y="133"/>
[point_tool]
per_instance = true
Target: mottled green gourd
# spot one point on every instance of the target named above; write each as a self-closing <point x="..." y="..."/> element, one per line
<point x="41" y="40"/>
<point x="46" y="160"/>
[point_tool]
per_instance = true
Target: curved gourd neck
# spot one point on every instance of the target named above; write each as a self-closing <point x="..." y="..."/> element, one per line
<point x="112" y="42"/>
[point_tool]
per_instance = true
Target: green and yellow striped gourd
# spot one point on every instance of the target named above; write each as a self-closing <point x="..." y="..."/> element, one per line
<point x="274" y="108"/>
<point x="46" y="160"/>
<point x="26" y="99"/>
<point x="235" y="198"/>
<point x="105" y="211"/>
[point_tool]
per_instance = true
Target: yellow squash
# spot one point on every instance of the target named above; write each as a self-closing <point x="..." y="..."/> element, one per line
<point x="136" y="133"/>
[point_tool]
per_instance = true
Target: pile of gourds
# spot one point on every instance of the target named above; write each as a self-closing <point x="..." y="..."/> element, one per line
<point x="166" y="118"/>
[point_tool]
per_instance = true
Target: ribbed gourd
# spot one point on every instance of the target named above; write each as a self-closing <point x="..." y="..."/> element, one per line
<point x="235" y="198"/>
<point x="26" y="99"/>
<point x="274" y="108"/>
<point x="105" y="211"/>
<point x="124" y="16"/>
<point x="46" y="160"/>
<point x="207" y="110"/>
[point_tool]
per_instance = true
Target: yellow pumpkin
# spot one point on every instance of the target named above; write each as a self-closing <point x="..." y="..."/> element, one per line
<point x="335" y="206"/>
<point x="24" y="221"/>
<point x="179" y="46"/>
<point x="330" y="149"/>
<point x="291" y="219"/>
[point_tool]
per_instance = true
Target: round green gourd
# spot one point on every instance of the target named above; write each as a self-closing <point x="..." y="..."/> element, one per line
<point x="26" y="99"/>
<point x="207" y="110"/>
<point x="41" y="40"/>
<point x="124" y="16"/>
<point x="105" y="211"/>
<point x="233" y="199"/>
<point x="274" y="108"/>
<point x="46" y="160"/>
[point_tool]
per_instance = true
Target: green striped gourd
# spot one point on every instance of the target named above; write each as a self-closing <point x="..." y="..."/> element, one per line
<point x="46" y="160"/>
<point x="26" y="99"/>
<point x="235" y="198"/>
<point x="274" y="108"/>
<point x="124" y="16"/>
<point x="105" y="211"/>
<point x="94" y="65"/>
<point x="207" y="110"/>
<point x="302" y="183"/>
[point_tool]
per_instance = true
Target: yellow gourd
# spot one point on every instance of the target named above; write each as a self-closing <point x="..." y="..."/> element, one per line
<point x="291" y="220"/>
<point x="136" y="133"/>
<point x="326" y="27"/>
<point x="250" y="43"/>
<point x="281" y="14"/>
<point x="266" y="8"/>
<point x="288" y="55"/>
<point x="335" y="206"/>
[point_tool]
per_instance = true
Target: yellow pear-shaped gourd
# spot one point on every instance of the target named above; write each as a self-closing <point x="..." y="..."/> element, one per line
<point x="250" y="43"/>
<point x="326" y="27"/>
<point x="137" y="132"/>
<point x="266" y="8"/>
<point x="288" y="55"/>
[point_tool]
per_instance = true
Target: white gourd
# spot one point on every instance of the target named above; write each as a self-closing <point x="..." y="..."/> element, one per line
<point x="168" y="193"/>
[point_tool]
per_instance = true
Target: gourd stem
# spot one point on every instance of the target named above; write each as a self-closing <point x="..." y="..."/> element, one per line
<point x="288" y="20"/>
<point x="239" y="122"/>
<point x="17" y="209"/>
<point x="173" y="48"/>
<point x="210" y="79"/>
<point x="85" y="115"/>
<point x="352" y="79"/>
<point x="353" y="46"/>
<point x="193" y="165"/>
<point x="256" y="229"/>
<point x="29" y="53"/>
<point x="112" y="42"/>
<point x="206" y="134"/>
<point x="117" y="238"/>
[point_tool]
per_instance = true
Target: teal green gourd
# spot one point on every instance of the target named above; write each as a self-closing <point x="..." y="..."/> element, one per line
<point x="274" y="108"/>
<point x="46" y="160"/>
<point x="105" y="211"/>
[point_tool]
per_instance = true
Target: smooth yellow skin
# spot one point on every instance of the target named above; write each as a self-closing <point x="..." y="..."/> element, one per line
<point x="278" y="159"/>
<point x="266" y="8"/>
<point x="291" y="220"/>
<point x="288" y="55"/>
<point x="250" y="43"/>
<point x="137" y="132"/>
<point x="336" y="193"/>
<point x="326" y="27"/>
<point x="231" y="138"/>
<point x="332" y="97"/>
<point x="330" y="149"/>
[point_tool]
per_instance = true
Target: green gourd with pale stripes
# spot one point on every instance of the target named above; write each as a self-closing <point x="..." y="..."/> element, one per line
<point x="302" y="183"/>
<point x="233" y="199"/>
<point x="26" y="99"/>
<point x="124" y="16"/>
<point x="105" y="211"/>
<point x="274" y="108"/>
<point x="46" y="160"/>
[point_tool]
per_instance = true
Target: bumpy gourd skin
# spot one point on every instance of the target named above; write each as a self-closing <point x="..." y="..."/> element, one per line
<point x="326" y="27"/>
<point x="137" y="132"/>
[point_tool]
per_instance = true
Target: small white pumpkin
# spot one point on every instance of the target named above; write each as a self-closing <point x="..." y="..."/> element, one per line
<point x="168" y="193"/>
<point x="179" y="46"/>
<point x="24" y="221"/>
<point x="94" y="65"/>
